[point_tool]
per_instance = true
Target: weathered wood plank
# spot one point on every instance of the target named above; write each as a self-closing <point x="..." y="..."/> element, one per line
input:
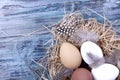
<point x="21" y="17"/>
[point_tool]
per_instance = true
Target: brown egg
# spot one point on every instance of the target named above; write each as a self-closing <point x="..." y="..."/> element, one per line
<point x="70" y="56"/>
<point x="81" y="74"/>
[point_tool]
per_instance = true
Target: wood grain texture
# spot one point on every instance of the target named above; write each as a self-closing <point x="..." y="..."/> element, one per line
<point x="20" y="18"/>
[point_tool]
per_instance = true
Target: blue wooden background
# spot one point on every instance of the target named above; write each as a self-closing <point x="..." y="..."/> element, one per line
<point x="21" y="25"/>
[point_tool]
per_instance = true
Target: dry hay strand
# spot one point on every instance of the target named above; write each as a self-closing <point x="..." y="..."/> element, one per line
<point x="75" y="29"/>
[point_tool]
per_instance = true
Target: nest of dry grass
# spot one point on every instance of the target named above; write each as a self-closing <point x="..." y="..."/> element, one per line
<point x="85" y="30"/>
<point x="75" y="29"/>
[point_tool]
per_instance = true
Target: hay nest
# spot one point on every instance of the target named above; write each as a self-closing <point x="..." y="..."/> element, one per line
<point x="73" y="28"/>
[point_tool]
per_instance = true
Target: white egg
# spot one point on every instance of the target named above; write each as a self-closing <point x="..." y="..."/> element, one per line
<point x="92" y="54"/>
<point x="105" y="72"/>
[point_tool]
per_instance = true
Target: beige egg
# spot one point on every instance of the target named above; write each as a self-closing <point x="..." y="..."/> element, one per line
<point x="70" y="56"/>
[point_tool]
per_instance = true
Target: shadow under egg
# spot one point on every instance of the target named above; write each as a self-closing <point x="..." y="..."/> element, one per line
<point x="84" y="65"/>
